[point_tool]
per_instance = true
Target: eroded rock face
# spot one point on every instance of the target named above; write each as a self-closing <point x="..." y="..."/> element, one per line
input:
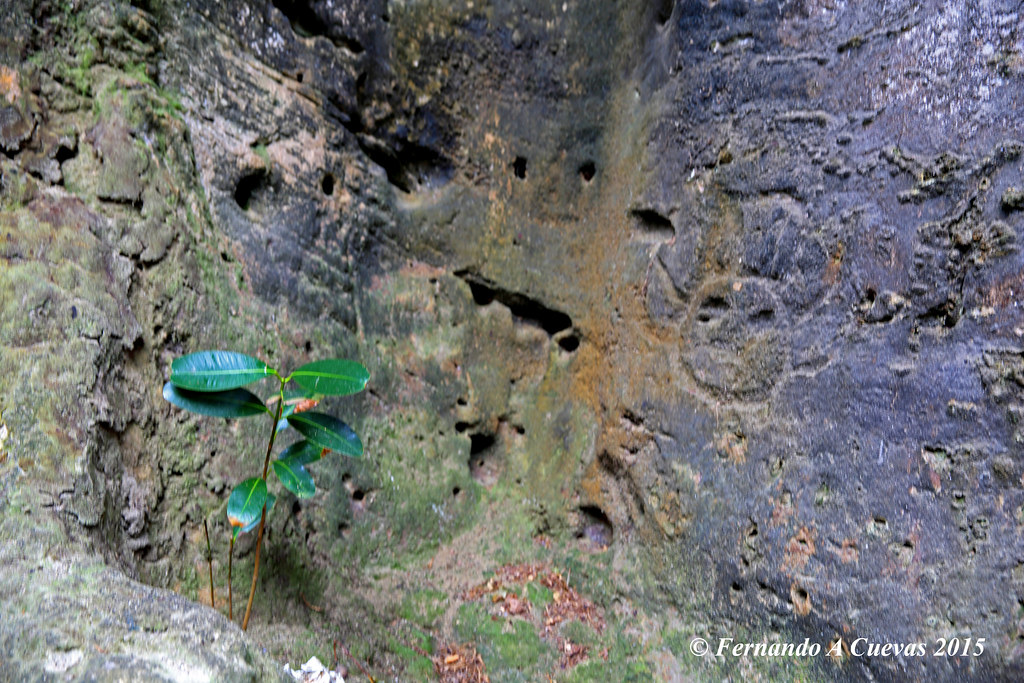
<point x="838" y="279"/>
<point x="715" y="303"/>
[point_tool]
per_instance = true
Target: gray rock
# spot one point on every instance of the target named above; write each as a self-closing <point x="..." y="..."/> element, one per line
<point x="731" y="287"/>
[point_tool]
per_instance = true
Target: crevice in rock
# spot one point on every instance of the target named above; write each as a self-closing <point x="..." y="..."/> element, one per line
<point x="303" y="18"/>
<point x="653" y="223"/>
<point x="411" y="161"/>
<point x="65" y="152"/>
<point x="944" y="314"/>
<point x="664" y="11"/>
<point x="711" y="308"/>
<point x="480" y="443"/>
<point x="527" y="309"/>
<point x="409" y="166"/>
<point x="306" y="21"/>
<point x="595" y="527"/>
<point x="484" y="458"/>
<point x="133" y="202"/>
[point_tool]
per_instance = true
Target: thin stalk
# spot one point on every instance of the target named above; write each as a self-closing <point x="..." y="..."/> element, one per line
<point x="209" y="561"/>
<point x="231" y="602"/>
<point x="255" y="571"/>
<point x="263" y="515"/>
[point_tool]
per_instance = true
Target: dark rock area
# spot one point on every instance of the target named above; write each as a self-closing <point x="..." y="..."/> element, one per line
<point x="710" y="308"/>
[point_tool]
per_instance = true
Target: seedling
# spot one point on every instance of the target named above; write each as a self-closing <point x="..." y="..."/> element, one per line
<point x="210" y="383"/>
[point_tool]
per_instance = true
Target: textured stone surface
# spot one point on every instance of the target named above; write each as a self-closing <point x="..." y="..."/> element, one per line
<point x="712" y="303"/>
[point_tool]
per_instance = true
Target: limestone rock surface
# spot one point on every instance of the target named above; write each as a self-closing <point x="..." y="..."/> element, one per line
<point x="684" y="319"/>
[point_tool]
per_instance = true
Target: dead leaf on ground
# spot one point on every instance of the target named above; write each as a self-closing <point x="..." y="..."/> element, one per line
<point x="460" y="664"/>
<point x="506" y="574"/>
<point x="568" y="605"/>
<point x="512" y="604"/>
<point x="572" y="654"/>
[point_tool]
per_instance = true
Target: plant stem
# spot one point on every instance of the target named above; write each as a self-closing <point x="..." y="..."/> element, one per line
<point x="231" y="603"/>
<point x="255" y="571"/>
<point x="263" y="515"/>
<point x="209" y="561"/>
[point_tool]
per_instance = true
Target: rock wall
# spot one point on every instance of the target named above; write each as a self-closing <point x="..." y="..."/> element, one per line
<point x="705" y="308"/>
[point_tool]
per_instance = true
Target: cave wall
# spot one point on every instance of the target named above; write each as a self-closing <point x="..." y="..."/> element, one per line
<point x="711" y="304"/>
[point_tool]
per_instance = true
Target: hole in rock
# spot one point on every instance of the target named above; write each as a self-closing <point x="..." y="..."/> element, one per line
<point x="64" y="153"/>
<point x="484" y="460"/>
<point x="711" y="308"/>
<point x="410" y="166"/>
<point x="664" y="12"/>
<point x="478" y="443"/>
<point x="653" y="221"/>
<point x="596" y="527"/>
<point x="519" y="167"/>
<point x="247" y="186"/>
<point x="587" y="171"/>
<point x="327" y="184"/>
<point x="298" y="77"/>
<point x="302" y="17"/>
<point x="525" y="308"/>
<point x="715" y="303"/>
<point x="569" y="342"/>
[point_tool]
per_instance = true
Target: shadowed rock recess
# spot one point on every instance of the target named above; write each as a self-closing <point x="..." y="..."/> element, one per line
<point x="684" y="319"/>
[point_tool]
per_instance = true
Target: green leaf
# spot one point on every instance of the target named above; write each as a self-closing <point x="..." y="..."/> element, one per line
<point x="327" y="432"/>
<point x="332" y="377"/>
<point x="290" y="468"/>
<point x="271" y="499"/>
<point x="245" y="504"/>
<point x="301" y="453"/>
<point x="231" y="403"/>
<point x="217" y="370"/>
<point x="295" y="478"/>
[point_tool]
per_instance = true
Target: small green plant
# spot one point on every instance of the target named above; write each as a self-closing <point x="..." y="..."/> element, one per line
<point x="210" y="383"/>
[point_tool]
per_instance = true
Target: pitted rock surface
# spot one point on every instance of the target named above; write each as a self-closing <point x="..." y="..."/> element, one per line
<point x="726" y="290"/>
